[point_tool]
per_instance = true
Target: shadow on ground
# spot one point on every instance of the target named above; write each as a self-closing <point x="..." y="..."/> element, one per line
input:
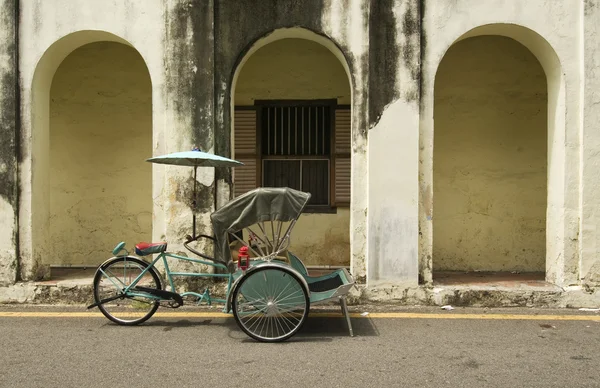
<point x="315" y="329"/>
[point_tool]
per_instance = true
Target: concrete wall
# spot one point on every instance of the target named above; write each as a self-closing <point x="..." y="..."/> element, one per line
<point x="188" y="50"/>
<point x="9" y="123"/>
<point x="590" y="195"/>
<point x="292" y="69"/>
<point x="394" y="90"/>
<point x="341" y="27"/>
<point x="302" y="69"/>
<point x="489" y="158"/>
<point x="100" y="135"/>
<point x="548" y="30"/>
<point x="50" y="31"/>
<point x="390" y="51"/>
<point x="323" y="239"/>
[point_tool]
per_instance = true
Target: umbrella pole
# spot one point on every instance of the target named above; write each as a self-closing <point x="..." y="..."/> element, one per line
<point x="194" y="206"/>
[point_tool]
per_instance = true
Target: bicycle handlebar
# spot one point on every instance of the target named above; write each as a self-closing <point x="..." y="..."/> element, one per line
<point x="190" y="239"/>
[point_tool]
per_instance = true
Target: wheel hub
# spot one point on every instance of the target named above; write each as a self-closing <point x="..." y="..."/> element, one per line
<point x="272" y="309"/>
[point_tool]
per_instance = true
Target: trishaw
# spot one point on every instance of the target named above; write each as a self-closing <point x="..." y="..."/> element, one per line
<point x="269" y="290"/>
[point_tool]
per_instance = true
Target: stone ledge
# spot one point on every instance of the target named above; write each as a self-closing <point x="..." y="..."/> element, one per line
<point x="482" y="296"/>
<point x="458" y="296"/>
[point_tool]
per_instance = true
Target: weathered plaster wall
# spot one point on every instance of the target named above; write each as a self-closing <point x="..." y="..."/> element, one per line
<point x="590" y="196"/>
<point x="323" y="239"/>
<point x="49" y="31"/>
<point x="394" y="54"/>
<point x="9" y="118"/>
<point x="489" y="160"/>
<point x="179" y="54"/>
<point x="188" y="59"/>
<point x="341" y="26"/>
<point x="547" y="29"/>
<point x="100" y="135"/>
<point x="302" y="69"/>
<point x="292" y="69"/>
<point x="394" y="76"/>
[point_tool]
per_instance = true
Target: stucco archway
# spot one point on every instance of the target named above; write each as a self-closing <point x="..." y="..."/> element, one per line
<point x="297" y="67"/>
<point x="555" y="144"/>
<point x="489" y="162"/>
<point x="86" y="90"/>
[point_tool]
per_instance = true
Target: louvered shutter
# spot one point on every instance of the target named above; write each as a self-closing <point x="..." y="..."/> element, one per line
<point x="244" y="177"/>
<point x="342" y="149"/>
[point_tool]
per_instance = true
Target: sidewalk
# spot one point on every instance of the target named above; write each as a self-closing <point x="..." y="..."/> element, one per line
<point x="475" y="289"/>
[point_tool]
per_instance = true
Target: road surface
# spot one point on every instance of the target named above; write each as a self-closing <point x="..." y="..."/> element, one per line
<point x="73" y="347"/>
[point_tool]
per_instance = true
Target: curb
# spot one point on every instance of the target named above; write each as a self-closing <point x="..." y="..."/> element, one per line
<point x="67" y="293"/>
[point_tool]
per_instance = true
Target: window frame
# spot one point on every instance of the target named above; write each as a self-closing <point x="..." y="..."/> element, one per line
<point x="331" y="207"/>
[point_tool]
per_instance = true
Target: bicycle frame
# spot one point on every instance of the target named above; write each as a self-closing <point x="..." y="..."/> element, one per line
<point x="204" y="296"/>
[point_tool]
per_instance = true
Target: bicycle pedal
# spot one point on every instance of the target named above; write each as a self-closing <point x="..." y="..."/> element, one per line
<point x="172" y="304"/>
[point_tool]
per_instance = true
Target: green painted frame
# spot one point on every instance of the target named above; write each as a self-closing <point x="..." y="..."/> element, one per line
<point x="164" y="255"/>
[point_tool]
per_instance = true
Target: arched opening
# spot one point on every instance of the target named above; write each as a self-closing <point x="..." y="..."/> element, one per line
<point x="291" y="96"/>
<point x="91" y="132"/>
<point x="490" y="161"/>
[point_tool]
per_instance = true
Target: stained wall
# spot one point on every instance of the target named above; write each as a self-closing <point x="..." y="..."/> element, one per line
<point x="100" y="136"/>
<point x="300" y="69"/>
<point x="548" y="30"/>
<point x="9" y="123"/>
<point x="490" y="157"/>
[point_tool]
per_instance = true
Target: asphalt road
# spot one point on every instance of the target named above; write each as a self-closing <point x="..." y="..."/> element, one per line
<point x="201" y="351"/>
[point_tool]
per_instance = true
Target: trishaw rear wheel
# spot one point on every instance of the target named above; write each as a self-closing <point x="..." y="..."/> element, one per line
<point x="270" y="304"/>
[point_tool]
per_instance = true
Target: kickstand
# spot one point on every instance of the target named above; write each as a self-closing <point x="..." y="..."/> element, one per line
<point x="205" y="296"/>
<point x="346" y="314"/>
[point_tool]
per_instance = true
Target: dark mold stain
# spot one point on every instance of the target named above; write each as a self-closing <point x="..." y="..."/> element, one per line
<point x="589" y="6"/>
<point x="213" y="36"/>
<point x="235" y="33"/>
<point x="10" y="118"/>
<point x="410" y="23"/>
<point x="189" y="66"/>
<point x="361" y="279"/>
<point x="203" y="197"/>
<point x="411" y="28"/>
<point x="393" y="42"/>
<point x="9" y="108"/>
<point x="384" y="52"/>
<point x="8" y="122"/>
<point x="423" y="44"/>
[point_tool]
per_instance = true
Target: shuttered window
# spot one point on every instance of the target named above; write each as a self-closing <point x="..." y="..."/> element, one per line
<point x="303" y="145"/>
<point x="244" y="140"/>
<point x="296" y="148"/>
<point x="342" y="153"/>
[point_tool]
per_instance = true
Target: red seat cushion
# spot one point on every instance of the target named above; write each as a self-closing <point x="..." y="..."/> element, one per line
<point x="144" y="248"/>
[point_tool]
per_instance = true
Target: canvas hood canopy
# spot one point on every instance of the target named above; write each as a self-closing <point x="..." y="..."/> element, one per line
<point x="259" y="205"/>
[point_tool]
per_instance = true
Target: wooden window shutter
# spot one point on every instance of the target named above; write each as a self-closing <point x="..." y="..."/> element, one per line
<point x="342" y="150"/>
<point x="245" y="148"/>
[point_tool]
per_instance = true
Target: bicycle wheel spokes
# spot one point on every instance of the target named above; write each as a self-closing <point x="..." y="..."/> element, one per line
<point x="133" y="306"/>
<point x="270" y="304"/>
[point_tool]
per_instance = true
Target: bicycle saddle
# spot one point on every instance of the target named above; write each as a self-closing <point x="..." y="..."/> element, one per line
<point x="144" y="248"/>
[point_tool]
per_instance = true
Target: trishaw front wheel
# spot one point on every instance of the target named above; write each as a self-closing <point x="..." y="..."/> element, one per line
<point x="270" y="304"/>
